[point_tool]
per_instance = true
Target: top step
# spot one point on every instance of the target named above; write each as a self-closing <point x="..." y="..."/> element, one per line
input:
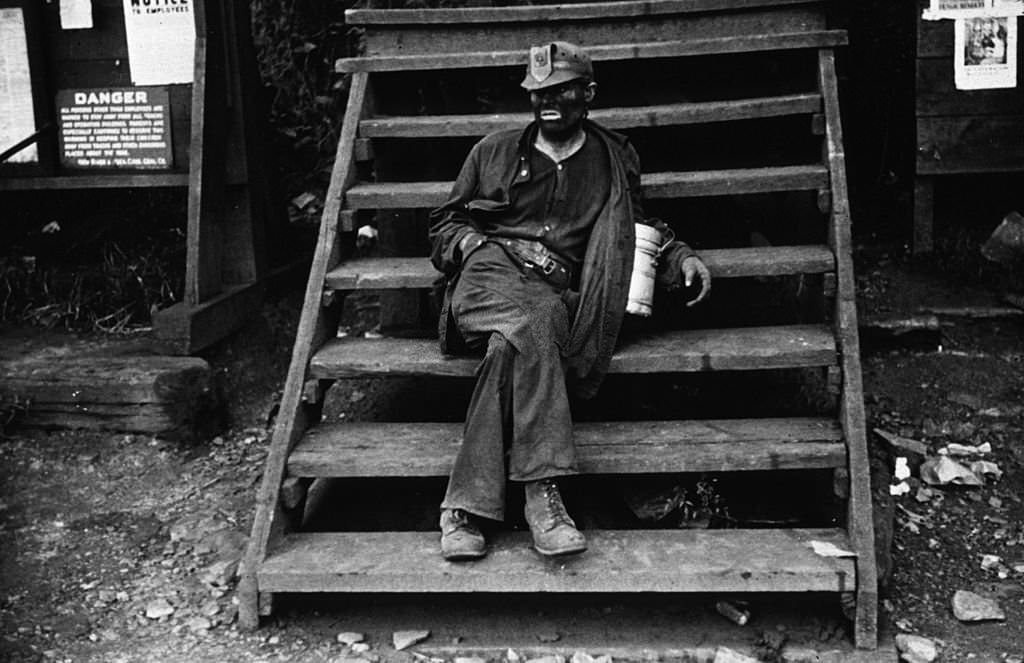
<point x="604" y="52"/>
<point x="557" y="12"/>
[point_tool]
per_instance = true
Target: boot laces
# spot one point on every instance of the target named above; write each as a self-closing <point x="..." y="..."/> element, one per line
<point x="556" y="508"/>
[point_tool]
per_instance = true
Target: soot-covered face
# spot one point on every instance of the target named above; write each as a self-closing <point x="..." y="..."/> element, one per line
<point x="560" y="109"/>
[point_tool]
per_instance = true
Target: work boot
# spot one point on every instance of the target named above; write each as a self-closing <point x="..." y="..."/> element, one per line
<point x="554" y="532"/>
<point x="461" y="538"/>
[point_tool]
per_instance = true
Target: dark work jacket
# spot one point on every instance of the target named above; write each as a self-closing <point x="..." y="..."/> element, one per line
<point x="491" y="171"/>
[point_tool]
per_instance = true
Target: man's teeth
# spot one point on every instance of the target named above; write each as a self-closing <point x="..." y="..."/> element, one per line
<point x="550" y="115"/>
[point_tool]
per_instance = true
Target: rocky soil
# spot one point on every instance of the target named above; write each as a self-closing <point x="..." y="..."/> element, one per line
<point x="124" y="548"/>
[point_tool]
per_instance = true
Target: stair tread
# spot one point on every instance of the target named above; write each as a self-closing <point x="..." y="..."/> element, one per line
<point x="600" y="52"/>
<point x="425" y="449"/>
<point x="727" y="560"/>
<point x="391" y="273"/>
<point x="660" y="115"/>
<point x="741" y="348"/>
<point x="680" y="184"/>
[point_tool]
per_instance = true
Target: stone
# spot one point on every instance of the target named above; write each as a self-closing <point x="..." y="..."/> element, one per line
<point x="970" y="607"/>
<point x="915" y="648"/>
<point x="990" y="561"/>
<point x="220" y="574"/>
<point x="403" y="639"/>
<point x="209" y="608"/>
<point x="943" y="470"/>
<point x="550" y="658"/>
<point x="350" y="637"/>
<point x="199" y="624"/>
<point x="469" y="659"/>
<point x="360" y="647"/>
<point x="726" y="655"/>
<point x="581" y="657"/>
<point x="512" y="656"/>
<point x="159" y="608"/>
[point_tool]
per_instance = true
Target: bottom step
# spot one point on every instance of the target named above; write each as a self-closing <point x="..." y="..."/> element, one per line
<point x="727" y="560"/>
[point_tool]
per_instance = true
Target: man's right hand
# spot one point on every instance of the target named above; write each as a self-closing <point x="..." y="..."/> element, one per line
<point x="469" y="243"/>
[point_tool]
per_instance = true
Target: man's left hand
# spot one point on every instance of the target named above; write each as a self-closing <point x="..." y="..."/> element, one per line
<point x="694" y="266"/>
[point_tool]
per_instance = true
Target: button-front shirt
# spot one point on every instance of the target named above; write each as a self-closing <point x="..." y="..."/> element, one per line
<point x="556" y="203"/>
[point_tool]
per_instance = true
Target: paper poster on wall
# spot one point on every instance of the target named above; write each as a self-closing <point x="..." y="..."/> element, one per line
<point x="17" y="113"/>
<point x="75" y="14"/>
<point x="161" y="38"/>
<point x="940" y="9"/>
<point x="985" y="53"/>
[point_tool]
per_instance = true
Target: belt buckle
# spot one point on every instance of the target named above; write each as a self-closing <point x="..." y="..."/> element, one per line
<point x="548" y="267"/>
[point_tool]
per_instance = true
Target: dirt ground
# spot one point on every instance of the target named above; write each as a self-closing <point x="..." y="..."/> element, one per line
<point x="123" y="548"/>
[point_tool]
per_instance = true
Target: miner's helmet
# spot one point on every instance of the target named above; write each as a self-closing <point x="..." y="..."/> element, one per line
<point x="555" y="63"/>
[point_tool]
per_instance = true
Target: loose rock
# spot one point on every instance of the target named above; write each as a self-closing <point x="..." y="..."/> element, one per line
<point x="970" y="607"/>
<point x="469" y="659"/>
<point x="360" y="647"/>
<point x="915" y="648"/>
<point x="581" y="657"/>
<point x="551" y="658"/>
<point x="350" y="637"/>
<point x="158" y="608"/>
<point x="726" y="655"/>
<point x="403" y="639"/>
<point x="199" y="624"/>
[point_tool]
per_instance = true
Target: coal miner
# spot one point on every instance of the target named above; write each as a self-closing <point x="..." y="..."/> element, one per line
<point x="537" y="246"/>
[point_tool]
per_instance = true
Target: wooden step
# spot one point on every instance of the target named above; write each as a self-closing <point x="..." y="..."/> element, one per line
<point x="395" y="273"/>
<point x="616" y="561"/>
<point x="600" y="52"/>
<point x="405" y="195"/>
<point x="551" y="12"/>
<point x="427" y="449"/>
<point x="664" y="115"/>
<point x="744" y="348"/>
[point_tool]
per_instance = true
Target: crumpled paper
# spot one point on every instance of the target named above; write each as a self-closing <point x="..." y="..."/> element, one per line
<point x="943" y="470"/>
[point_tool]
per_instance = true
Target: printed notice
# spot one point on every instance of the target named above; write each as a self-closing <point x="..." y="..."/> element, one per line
<point x="17" y="114"/>
<point x="161" y="36"/>
<point x="940" y="9"/>
<point x="75" y="14"/>
<point x="119" y="128"/>
<point x="985" y="51"/>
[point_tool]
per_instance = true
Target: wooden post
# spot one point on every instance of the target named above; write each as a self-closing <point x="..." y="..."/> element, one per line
<point x="924" y="217"/>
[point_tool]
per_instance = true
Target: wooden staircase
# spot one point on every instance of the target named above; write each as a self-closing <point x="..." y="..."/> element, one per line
<point x="658" y="34"/>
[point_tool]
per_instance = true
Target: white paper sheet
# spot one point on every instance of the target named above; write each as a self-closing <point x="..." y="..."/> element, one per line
<point x="161" y="40"/>
<point x="985" y="53"/>
<point x="940" y="9"/>
<point x="75" y="14"/>
<point x="17" y="113"/>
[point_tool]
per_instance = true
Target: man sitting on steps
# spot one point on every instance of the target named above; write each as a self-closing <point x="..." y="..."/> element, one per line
<point x="536" y="242"/>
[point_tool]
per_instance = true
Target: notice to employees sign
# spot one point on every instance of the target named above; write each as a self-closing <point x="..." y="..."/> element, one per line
<point x="118" y="128"/>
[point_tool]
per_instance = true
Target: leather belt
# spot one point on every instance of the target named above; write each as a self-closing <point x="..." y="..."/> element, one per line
<point x="535" y="256"/>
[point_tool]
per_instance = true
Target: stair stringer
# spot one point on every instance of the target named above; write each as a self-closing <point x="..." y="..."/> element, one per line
<point x="851" y="406"/>
<point x="295" y="416"/>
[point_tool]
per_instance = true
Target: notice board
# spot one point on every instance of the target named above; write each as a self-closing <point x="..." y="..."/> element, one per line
<point x="115" y="128"/>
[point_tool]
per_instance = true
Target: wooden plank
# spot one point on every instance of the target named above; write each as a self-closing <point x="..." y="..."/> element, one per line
<point x="425" y="449"/>
<point x="748" y="348"/>
<point x="970" y="144"/>
<point x="396" y="273"/>
<point x="104" y="181"/>
<point x="423" y="39"/>
<point x="107" y="379"/>
<point x="183" y="329"/>
<point x="728" y="560"/>
<point x="859" y="508"/>
<point x="554" y="12"/>
<point x="613" y="118"/>
<point x="851" y="404"/>
<point x="405" y="195"/>
<point x="633" y="51"/>
<point x="206" y="170"/>
<point x="314" y="326"/>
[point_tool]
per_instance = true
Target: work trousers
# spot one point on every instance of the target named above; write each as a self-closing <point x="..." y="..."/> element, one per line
<point x="519" y="412"/>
